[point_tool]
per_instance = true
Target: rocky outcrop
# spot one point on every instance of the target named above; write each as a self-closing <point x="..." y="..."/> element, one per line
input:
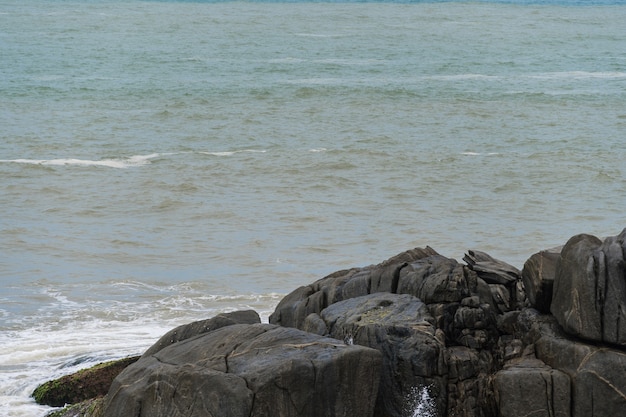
<point x="412" y="308"/>
<point x="580" y="345"/>
<point x="417" y="335"/>
<point x="485" y="315"/>
<point x="246" y="370"/>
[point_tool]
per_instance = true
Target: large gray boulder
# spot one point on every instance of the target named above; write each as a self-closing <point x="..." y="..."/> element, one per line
<point x="401" y="328"/>
<point x="413" y="307"/>
<point x="246" y="370"/>
<point x="589" y="294"/>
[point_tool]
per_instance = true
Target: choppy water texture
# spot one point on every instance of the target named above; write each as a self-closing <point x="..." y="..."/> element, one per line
<point x="164" y="161"/>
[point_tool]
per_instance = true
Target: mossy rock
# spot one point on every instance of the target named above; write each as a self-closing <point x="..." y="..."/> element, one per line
<point x="91" y="408"/>
<point x="80" y="386"/>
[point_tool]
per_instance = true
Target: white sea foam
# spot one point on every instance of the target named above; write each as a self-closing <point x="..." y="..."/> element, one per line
<point x="420" y="403"/>
<point x="231" y="153"/>
<point x="133" y="161"/>
<point x="119" y="163"/>
<point x="32" y="356"/>
<point x="72" y="336"/>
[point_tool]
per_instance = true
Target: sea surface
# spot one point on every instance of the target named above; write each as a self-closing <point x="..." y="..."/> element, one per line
<point x="162" y="162"/>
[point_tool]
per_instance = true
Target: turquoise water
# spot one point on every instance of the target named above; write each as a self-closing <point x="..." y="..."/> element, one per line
<point x="165" y="161"/>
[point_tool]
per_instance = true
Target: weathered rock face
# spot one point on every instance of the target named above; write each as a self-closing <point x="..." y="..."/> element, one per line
<point x="412" y="308"/>
<point x="589" y="294"/>
<point x="249" y="370"/>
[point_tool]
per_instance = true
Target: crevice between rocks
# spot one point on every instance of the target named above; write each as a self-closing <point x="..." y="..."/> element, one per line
<point x="395" y="280"/>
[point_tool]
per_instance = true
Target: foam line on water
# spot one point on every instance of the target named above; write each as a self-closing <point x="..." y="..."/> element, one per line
<point x="230" y="153"/>
<point x="479" y="153"/>
<point x="120" y="163"/>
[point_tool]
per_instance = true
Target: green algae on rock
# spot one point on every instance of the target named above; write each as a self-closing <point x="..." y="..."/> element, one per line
<point x="82" y="385"/>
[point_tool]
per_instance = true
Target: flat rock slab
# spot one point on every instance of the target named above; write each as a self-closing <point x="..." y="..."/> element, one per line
<point x="246" y="370"/>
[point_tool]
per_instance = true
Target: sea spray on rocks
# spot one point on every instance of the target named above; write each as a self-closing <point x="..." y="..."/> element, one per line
<point x="420" y="403"/>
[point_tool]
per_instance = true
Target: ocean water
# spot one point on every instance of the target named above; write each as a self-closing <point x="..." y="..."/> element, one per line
<point x="161" y="162"/>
